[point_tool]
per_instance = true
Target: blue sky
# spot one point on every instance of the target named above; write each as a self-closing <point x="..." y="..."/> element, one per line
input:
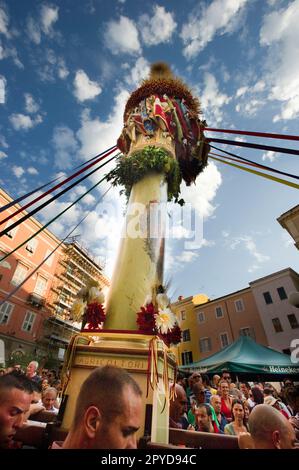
<point x="66" y="71"/>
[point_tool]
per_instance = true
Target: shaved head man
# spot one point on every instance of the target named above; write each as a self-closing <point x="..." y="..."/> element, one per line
<point x="269" y="429"/>
<point x="177" y="407"/>
<point x="108" y="412"/>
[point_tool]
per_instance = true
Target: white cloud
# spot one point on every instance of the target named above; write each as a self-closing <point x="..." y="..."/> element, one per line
<point x="22" y="121"/>
<point x="2" y="89"/>
<point x="4" y="21"/>
<point x="10" y="51"/>
<point x="84" y="88"/>
<point x="158" y="28"/>
<point x="2" y="155"/>
<point x="249" y="107"/>
<point x="49" y="16"/>
<point x="3" y="142"/>
<point x="62" y="69"/>
<point x="33" y="30"/>
<point x="31" y="105"/>
<point x="280" y="33"/>
<point x="65" y="145"/>
<point x="122" y="36"/>
<point x="55" y="66"/>
<point x="241" y="91"/>
<point x="220" y="17"/>
<point x="95" y="136"/>
<point x="247" y="242"/>
<point x="18" y="171"/>
<point x="212" y="100"/>
<point x="138" y="72"/>
<point x="202" y="194"/>
<point x="269" y="156"/>
<point x="32" y="171"/>
<point x="186" y="257"/>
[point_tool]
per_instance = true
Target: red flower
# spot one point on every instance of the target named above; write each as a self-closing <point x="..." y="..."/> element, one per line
<point x="146" y="319"/>
<point x="95" y="315"/>
<point x="173" y="337"/>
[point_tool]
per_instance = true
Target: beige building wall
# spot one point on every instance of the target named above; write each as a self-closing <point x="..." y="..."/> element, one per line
<point x="215" y="324"/>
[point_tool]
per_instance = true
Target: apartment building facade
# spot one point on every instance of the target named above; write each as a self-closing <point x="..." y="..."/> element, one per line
<point x="22" y="316"/>
<point x="217" y="323"/>
<point x="74" y="269"/>
<point x="280" y="319"/>
<point x="36" y="320"/>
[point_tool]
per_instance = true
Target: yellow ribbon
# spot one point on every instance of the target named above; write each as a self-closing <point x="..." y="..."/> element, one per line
<point x="259" y="173"/>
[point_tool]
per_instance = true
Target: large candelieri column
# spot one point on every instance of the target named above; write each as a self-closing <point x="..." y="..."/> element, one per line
<point x="136" y="270"/>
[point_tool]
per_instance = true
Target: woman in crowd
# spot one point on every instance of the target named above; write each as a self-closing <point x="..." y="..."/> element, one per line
<point x="226" y="400"/>
<point x="237" y="425"/>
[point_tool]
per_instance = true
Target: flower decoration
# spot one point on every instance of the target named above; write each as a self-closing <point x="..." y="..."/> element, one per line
<point x="159" y="320"/>
<point x="146" y="318"/>
<point x="164" y="320"/>
<point x="88" y="307"/>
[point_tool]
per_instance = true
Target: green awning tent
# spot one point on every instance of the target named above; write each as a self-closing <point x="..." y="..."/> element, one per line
<point x="247" y="358"/>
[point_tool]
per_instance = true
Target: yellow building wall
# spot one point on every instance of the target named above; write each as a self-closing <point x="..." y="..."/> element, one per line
<point x="185" y="312"/>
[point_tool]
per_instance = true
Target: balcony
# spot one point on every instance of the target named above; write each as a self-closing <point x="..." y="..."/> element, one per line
<point x="36" y="300"/>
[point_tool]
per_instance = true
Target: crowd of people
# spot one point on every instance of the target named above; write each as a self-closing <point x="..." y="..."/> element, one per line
<point x="237" y="409"/>
<point x="108" y="410"/>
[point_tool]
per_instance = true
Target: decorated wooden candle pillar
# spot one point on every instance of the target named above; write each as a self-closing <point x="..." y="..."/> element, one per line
<point x="162" y="142"/>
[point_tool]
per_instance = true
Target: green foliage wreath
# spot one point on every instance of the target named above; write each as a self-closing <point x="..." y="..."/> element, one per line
<point x="130" y="170"/>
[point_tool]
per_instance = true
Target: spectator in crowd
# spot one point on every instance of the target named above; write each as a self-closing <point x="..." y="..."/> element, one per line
<point x="177" y="409"/>
<point x="31" y="372"/>
<point x="226" y="377"/>
<point x="235" y="392"/>
<point x="14" y="404"/>
<point x="49" y="399"/>
<point x="269" y="429"/>
<point x="203" y="415"/>
<point x="208" y="389"/>
<point x="197" y="399"/>
<point x="245" y="389"/>
<point x="215" y="381"/>
<point x="276" y="403"/>
<point x="108" y="412"/>
<point x="246" y="412"/>
<point x="237" y="426"/>
<point x="226" y="401"/>
<point x="292" y="398"/>
<point x="221" y="419"/>
<point x="256" y="397"/>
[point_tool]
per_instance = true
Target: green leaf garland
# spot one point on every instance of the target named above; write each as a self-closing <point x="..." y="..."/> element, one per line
<point x="130" y="170"/>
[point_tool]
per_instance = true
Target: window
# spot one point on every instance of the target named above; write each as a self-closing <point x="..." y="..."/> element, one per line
<point x="287" y="351"/>
<point x="32" y="245"/>
<point x="40" y="286"/>
<point x="293" y="321"/>
<point x="186" y="335"/>
<point x="11" y="233"/>
<point x="5" y="263"/>
<point x="49" y="260"/>
<point x="239" y="305"/>
<point x="282" y="293"/>
<point x="187" y="357"/>
<point x="268" y="298"/>
<point x="201" y="317"/>
<point x="247" y="332"/>
<point x="19" y="275"/>
<point x="205" y="344"/>
<point x="219" y="312"/>
<point x="277" y="325"/>
<point x="5" y="312"/>
<point x="224" y="340"/>
<point x="183" y="315"/>
<point x="28" y="321"/>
